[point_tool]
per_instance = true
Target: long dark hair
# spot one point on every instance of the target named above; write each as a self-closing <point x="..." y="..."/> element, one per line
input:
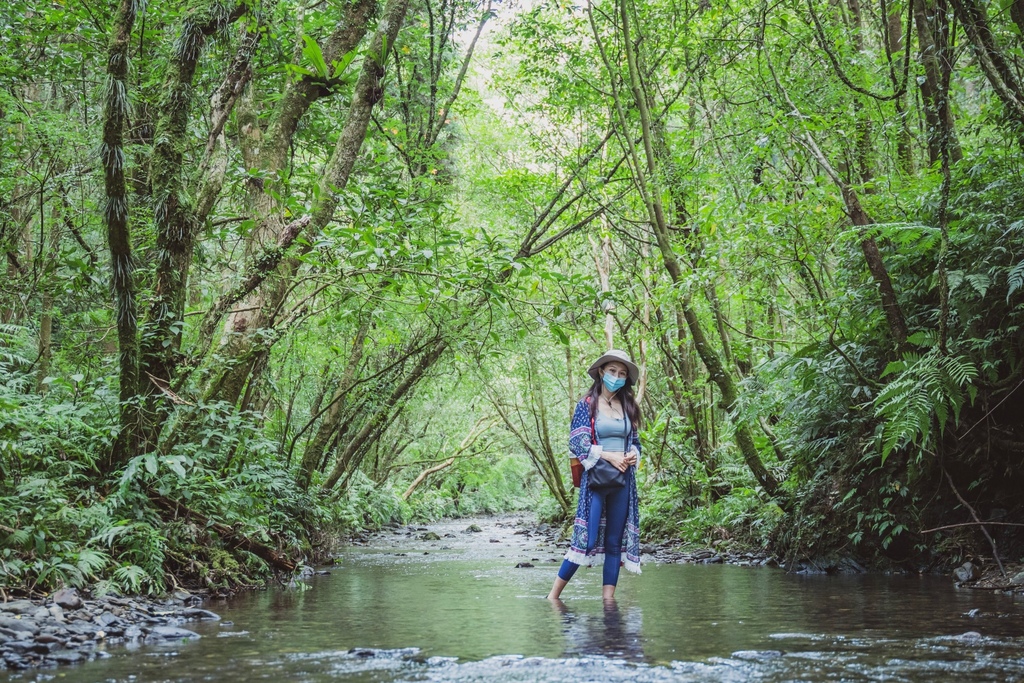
<point x="625" y="396"/>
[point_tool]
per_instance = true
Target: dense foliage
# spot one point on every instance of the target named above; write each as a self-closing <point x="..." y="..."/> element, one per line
<point x="276" y="272"/>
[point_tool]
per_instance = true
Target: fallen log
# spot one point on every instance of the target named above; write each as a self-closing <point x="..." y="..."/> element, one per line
<point x="269" y="555"/>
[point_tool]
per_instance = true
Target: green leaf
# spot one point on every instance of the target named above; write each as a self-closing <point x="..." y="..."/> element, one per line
<point x="341" y="64"/>
<point x="311" y="51"/>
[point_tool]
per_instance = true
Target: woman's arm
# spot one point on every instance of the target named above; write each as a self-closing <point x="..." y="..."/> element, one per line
<point x="581" y="445"/>
<point x="634" y="445"/>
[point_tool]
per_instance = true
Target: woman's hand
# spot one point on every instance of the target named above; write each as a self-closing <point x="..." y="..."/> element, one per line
<point x="631" y="458"/>
<point x="618" y="459"/>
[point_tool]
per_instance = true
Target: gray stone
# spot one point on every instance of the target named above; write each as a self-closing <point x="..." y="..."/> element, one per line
<point x="18" y="606"/>
<point x="203" y="614"/>
<point x="26" y="646"/>
<point x="1017" y="579"/>
<point x="756" y="655"/>
<point x="171" y="633"/>
<point x="106" y="619"/>
<point x="14" y="661"/>
<point x="67" y="598"/>
<point x="968" y="571"/>
<point x="48" y="638"/>
<point x="67" y="657"/>
<point x="22" y="625"/>
<point x="472" y="529"/>
<point x="57" y="613"/>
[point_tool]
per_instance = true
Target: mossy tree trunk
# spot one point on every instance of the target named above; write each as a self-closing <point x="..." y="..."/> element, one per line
<point x="119" y="242"/>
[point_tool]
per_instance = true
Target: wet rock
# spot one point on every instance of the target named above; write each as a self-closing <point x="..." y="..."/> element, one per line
<point x="524" y="565"/>
<point x="969" y="636"/>
<point x="495" y="540"/>
<point x="30" y="646"/>
<point x="968" y="571"/>
<point x="48" y="638"/>
<point x="756" y="655"/>
<point x="1017" y="579"/>
<point x="18" y="606"/>
<point x="201" y="614"/>
<point x="67" y="657"/>
<point x="13" y="661"/>
<point x="848" y="565"/>
<point x="171" y="633"/>
<point x="67" y="598"/>
<point x="473" y="529"/>
<point x="18" y="625"/>
<point x="105" y="619"/>
<point x="430" y="536"/>
<point x="56" y="613"/>
<point x="716" y="559"/>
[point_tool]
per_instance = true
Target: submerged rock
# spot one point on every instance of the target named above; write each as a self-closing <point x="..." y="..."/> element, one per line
<point x="473" y="529"/>
<point x="430" y="536"/>
<point x="756" y="655"/>
<point x="171" y="633"/>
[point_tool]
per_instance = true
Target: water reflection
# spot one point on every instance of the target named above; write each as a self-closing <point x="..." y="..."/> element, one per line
<point x="459" y="610"/>
<point x="613" y="633"/>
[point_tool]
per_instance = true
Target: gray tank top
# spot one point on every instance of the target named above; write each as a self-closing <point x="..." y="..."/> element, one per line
<point x="612" y="434"/>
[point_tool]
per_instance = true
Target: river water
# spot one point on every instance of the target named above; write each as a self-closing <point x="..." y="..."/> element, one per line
<point x="457" y="609"/>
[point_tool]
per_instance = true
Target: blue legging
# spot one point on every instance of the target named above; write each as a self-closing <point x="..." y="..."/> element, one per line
<point x="614" y="503"/>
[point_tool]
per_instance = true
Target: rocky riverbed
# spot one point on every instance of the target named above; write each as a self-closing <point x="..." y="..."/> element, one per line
<point x="68" y="628"/>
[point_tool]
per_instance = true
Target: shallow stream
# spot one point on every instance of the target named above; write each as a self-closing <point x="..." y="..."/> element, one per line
<point x="457" y="609"/>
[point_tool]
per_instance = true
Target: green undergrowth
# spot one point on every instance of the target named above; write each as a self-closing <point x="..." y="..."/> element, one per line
<point x="175" y="519"/>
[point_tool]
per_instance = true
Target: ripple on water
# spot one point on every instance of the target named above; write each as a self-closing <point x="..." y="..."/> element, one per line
<point x="460" y="612"/>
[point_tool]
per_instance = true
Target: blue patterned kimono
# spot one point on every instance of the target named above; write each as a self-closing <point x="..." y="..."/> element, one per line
<point x="582" y="447"/>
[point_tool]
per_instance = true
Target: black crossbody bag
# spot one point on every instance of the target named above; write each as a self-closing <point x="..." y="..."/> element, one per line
<point x="603" y="475"/>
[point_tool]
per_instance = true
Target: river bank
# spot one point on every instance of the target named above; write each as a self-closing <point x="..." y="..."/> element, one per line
<point x="67" y="628"/>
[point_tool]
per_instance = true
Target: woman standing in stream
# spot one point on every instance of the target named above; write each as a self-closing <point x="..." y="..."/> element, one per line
<point x="603" y="437"/>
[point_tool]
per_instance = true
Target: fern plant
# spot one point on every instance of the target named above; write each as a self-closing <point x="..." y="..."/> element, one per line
<point x="926" y="389"/>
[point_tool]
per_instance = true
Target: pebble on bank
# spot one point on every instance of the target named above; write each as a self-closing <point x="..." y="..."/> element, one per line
<point x="64" y="628"/>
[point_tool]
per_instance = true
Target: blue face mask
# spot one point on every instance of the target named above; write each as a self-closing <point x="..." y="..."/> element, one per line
<point x="612" y="383"/>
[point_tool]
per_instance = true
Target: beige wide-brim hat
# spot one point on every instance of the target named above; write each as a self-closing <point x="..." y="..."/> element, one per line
<point x="615" y="355"/>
